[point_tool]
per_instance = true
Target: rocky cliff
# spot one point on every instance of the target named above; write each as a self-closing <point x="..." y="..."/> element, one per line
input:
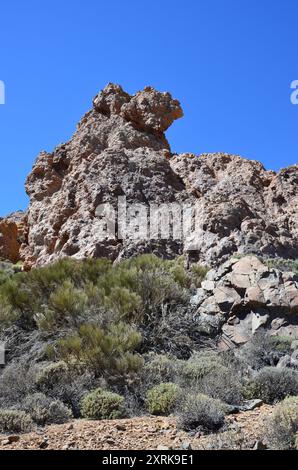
<point x="120" y="149"/>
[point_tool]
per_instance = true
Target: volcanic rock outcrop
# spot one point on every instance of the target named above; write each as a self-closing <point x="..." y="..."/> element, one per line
<point x="245" y="295"/>
<point x="120" y="149"/>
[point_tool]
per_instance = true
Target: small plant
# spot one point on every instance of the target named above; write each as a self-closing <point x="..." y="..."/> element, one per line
<point x="282" y="426"/>
<point x="67" y="300"/>
<point x="265" y="350"/>
<point x="158" y="369"/>
<point x="202" y="413"/>
<point x="162" y="399"/>
<point x="101" y="404"/>
<point x="17" y="381"/>
<point x="44" y="410"/>
<point x="68" y="384"/>
<point x="14" y="421"/>
<point x="199" y="273"/>
<point x="51" y="375"/>
<point x="273" y="384"/>
<point x="198" y="366"/>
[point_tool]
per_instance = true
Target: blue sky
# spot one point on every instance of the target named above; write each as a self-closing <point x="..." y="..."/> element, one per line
<point x="229" y="62"/>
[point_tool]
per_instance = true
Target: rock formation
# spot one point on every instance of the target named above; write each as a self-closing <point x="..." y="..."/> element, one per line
<point x="12" y="235"/>
<point x="244" y="295"/>
<point x="120" y="149"/>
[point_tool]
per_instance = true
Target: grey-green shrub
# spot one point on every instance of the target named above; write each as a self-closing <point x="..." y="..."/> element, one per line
<point x="282" y="425"/>
<point x="102" y="404"/>
<point x="199" y="365"/>
<point x="272" y="384"/>
<point x="159" y="368"/>
<point x="14" y="421"/>
<point x="44" y="410"/>
<point x="162" y="399"/>
<point x="17" y="381"/>
<point x="202" y="413"/>
<point x="59" y="380"/>
<point x="224" y="384"/>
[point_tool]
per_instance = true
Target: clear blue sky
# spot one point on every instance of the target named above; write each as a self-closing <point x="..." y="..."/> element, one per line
<point x="229" y="62"/>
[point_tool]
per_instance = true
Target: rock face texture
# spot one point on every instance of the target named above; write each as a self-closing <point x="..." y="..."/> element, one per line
<point x="243" y="296"/>
<point x="120" y="149"/>
<point x="12" y="235"/>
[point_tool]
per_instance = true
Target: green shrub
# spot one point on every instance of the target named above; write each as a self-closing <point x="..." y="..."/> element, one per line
<point x="199" y="273"/>
<point x="67" y="301"/>
<point x="14" y="421"/>
<point x="162" y="399"/>
<point x="51" y="375"/>
<point x="123" y="302"/>
<point x="282" y="425"/>
<point x="71" y="290"/>
<point x="273" y="384"/>
<point x="101" y="404"/>
<point x="202" y="413"/>
<point x="101" y="351"/>
<point x="159" y="368"/>
<point x="44" y="410"/>
<point x="198" y="366"/>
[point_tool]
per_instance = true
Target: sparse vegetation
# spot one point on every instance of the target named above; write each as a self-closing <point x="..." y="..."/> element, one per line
<point x="201" y="413"/>
<point x="101" y="341"/>
<point x="14" y="421"/>
<point x="273" y="384"/>
<point x="282" y="426"/>
<point x="101" y="404"/>
<point x="162" y="399"/>
<point x="44" y="410"/>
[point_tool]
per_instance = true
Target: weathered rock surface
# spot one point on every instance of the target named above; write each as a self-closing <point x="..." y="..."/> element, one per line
<point x="246" y="296"/>
<point x="12" y="234"/>
<point x="120" y="149"/>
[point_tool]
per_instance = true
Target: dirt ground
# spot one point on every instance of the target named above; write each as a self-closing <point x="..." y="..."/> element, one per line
<point x="144" y="433"/>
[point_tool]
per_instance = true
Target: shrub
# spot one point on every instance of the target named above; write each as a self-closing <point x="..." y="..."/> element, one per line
<point x="158" y="368"/>
<point x="162" y="399"/>
<point x="199" y="412"/>
<point x="66" y="383"/>
<point x="51" y="375"/>
<point x="44" y="410"/>
<point x="102" y="351"/>
<point x="282" y="426"/>
<point x="14" y="421"/>
<point x="273" y="384"/>
<point x="222" y="383"/>
<point x="67" y="301"/>
<point x="199" y="273"/>
<point x="265" y="350"/>
<point x="101" y="404"/>
<point x="123" y="302"/>
<point x="65" y="291"/>
<point x="16" y="381"/>
<point x="198" y="366"/>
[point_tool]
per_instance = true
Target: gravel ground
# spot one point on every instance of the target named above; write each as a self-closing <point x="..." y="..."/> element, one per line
<point x="145" y="433"/>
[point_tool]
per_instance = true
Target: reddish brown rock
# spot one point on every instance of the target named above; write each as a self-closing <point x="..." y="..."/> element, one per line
<point x="120" y="149"/>
<point x="12" y="235"/>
